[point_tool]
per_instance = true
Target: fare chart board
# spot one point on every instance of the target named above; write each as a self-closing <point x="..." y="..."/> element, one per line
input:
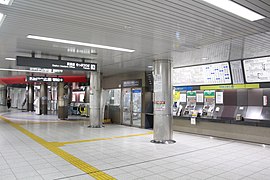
<point x="257" y="70"/>
<point x="218" y="73"/>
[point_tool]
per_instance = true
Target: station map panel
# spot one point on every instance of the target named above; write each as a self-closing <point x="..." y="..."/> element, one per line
<point x="218" y="73"/>
<point x="257" y="70"/>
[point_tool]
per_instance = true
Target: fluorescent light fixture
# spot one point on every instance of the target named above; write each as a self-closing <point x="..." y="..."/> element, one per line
<point x="236" y="9"/>
<point x="6" y="2"/>
<point x="78" y="43"/>
<point x="10" y="59"/>
<point x="150" y="66"/>
<point x="22" y="70"/>
<point x="2" y="18"/>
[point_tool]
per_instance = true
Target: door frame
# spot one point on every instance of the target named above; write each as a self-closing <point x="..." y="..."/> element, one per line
<point x="131" y="106"/>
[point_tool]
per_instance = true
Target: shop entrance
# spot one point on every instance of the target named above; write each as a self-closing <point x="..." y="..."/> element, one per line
<point x="132" y="106"/>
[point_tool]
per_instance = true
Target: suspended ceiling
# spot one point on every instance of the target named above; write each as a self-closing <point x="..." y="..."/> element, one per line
<point x="154" y="28"/>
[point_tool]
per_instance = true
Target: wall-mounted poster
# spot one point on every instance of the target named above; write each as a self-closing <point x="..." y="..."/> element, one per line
<point x="199" y="97"/>
<point x="81" y="97"/>
<point x="218" y="73"/>
<point x="219" y="97"/>
<point x="183" y="97"/>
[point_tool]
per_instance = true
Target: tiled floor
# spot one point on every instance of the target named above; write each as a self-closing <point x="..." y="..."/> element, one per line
<point x="122" y="156"/>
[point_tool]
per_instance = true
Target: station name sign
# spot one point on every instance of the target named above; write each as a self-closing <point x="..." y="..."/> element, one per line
<point x="43" y="79"/>
<point x="55" y="64"/>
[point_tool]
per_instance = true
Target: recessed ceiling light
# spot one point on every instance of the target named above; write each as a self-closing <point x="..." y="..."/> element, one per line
<point x="10" y="59"/>
<point x="6" y="2"/>
<point x="236" y="9"/>
<point x="2" y="18"/>
<point x="78" y="43"/>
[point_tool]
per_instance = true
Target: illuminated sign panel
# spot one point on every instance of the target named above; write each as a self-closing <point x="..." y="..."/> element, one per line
<point x="132" y="83"/>
<point x="55" y="64"/>
<point x="218" y="73"/>
<point x="43" y="79"/>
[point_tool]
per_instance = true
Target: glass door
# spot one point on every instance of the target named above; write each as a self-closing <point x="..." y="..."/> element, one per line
<point x="126" y="106"/>
<point x="136" y="107"/>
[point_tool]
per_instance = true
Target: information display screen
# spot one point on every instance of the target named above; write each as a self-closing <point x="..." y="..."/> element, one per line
<point x="257" y="70"/>
<point x="218" y="73"/>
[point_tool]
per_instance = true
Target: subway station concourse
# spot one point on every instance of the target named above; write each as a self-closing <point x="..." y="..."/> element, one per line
<point x="134" y="89"/>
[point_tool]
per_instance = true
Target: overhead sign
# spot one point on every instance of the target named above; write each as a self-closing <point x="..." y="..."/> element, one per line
<point x="230" y="86"/>
<point x="46" y="70"/>
<point x="43" y="79"/>
<point x="183" y="88"/>
<point x="132" y="83"/>
<point x="55" y="64"/>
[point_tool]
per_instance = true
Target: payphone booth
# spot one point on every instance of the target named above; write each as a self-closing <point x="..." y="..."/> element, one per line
<point x="132" y="103"/>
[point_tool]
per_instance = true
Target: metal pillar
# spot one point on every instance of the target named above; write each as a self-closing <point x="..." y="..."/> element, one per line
<point x="62" y="101"/>
<point x="27" y="99"/>
<point x="44" y="98"/>
<point x="95" y="92"/>
<point x="30" y="97"/>
<point x="5" y="94"/>
<point x="87" y="94"/>
<point x="162" y="102"/>
<point x="69" y="94"/>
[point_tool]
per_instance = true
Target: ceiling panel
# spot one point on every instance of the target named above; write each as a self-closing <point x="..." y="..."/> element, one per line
<point x="154" y="28"/>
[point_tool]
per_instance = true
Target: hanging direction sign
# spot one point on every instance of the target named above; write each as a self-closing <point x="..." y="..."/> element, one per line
<point x="55" y="64"/>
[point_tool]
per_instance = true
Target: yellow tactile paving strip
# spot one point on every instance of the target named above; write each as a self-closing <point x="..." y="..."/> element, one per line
<point x="98" y="139"/>
<point x="22" y="122"/>
<point x="90" y="170"/>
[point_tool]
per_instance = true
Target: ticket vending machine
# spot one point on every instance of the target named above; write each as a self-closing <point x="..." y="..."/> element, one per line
<point x="179" y="102"/>
<point x="177" y="107"/>
<point x="209" y="104"/>
<point x="191" y="104"/>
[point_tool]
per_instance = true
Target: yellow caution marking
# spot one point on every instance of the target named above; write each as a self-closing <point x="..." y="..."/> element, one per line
<point x="78" y="141"/>
<point x="58" y="144"/>
<point x="22" y="122"/>
<point x="90" y="170"/>
<point x="133" y="135"/>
